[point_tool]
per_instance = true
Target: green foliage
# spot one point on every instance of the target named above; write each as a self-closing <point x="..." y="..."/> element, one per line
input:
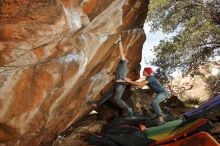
<point x="192" y="102"/>
<point x="197" y="27"/>
<point x="197" y="73"/>
<point x="214" y="82"/>
<point x="161" y="75"/>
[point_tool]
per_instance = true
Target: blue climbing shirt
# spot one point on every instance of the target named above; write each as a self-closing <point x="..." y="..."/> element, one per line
<point x="155" y="85"/>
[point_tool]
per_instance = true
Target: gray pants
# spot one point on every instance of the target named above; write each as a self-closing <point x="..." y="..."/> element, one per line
<point x="119" y="89"/>
<point x="157" y="100"/>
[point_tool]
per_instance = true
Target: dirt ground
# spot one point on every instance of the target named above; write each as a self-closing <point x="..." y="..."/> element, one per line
<point x="76" y="135"/>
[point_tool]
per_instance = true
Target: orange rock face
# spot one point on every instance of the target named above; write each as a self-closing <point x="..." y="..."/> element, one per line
<point x="55" y="56"/>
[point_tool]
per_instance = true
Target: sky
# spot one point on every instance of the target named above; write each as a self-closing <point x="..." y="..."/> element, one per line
<point x="152" y="39"/>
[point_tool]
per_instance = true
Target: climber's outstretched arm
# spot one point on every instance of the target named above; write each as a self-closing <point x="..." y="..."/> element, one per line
<point x="138" y="84"/>
<point x="121" y="51"/>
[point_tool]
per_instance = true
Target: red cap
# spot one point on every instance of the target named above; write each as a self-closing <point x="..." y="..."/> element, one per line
<point x="148" y="70"/>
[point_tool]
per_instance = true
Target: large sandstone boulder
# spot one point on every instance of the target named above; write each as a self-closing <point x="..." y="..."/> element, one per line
<point x="55" y="56"/>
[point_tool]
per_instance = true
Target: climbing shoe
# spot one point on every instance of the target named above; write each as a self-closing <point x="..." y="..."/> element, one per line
<point x="130" y="112"/>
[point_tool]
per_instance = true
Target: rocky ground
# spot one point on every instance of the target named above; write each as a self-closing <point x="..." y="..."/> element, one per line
<point x="77" y="134"/>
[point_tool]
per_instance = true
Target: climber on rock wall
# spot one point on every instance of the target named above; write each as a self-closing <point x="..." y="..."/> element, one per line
<point x="121" y="73"/>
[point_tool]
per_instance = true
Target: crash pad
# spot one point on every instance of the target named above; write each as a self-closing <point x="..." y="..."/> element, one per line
<point x="176" y="129"/>
<point x="203" y="110"/>
<point x="198" y="139"/>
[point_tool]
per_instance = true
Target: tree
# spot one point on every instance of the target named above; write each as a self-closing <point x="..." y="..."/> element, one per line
<point x="197" y="27"/>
